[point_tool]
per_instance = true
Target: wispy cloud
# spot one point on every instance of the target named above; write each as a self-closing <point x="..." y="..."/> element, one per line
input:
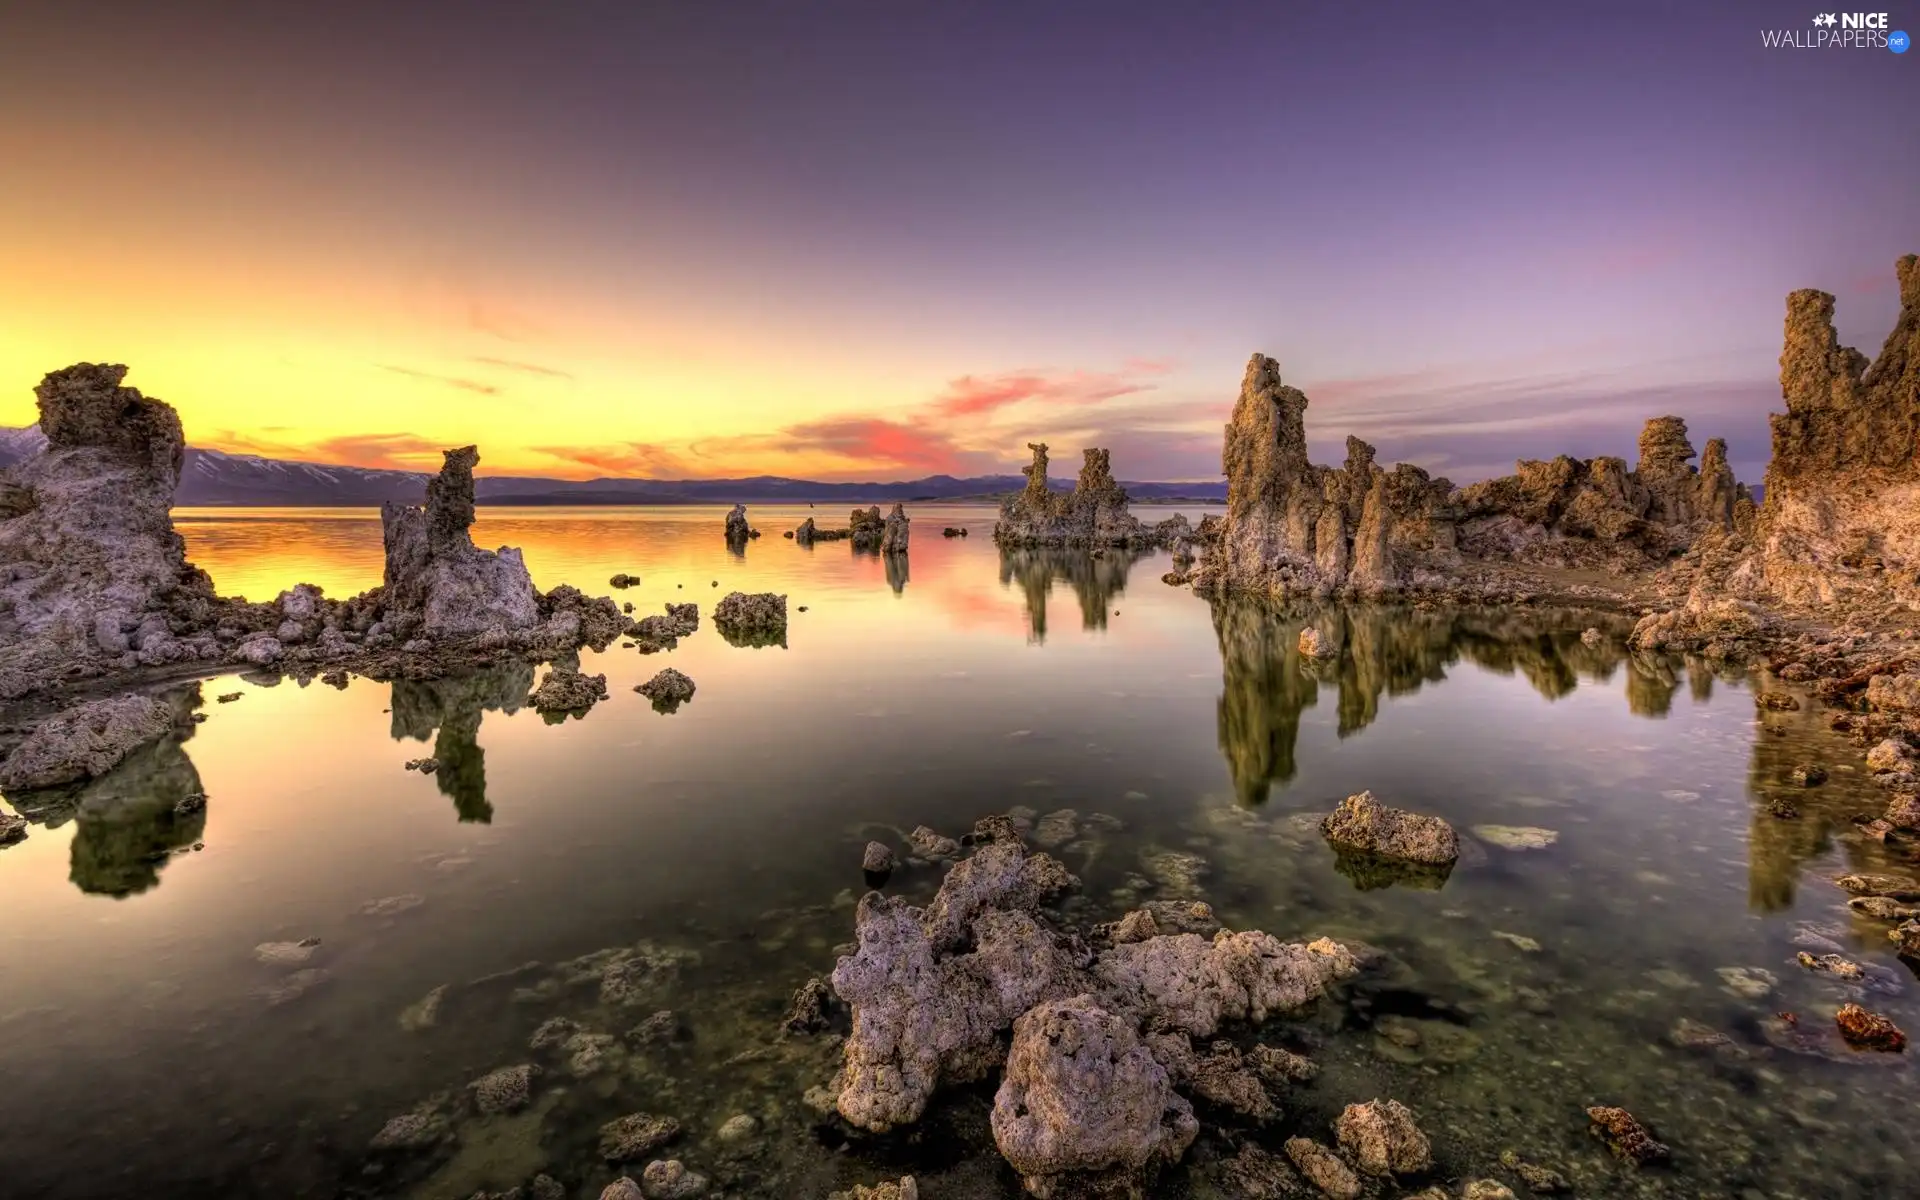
<point x="973" y="395"/>
<point x="643" y="460"/>
<point x="502" y="321"/>
<point x="390" y="451"/>
<point x="525" y="368"/>
<point x="452" y="381"/>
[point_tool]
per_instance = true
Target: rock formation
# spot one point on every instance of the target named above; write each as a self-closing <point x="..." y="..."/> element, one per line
<point x="1296" y="529"/>
<point x="1088" y="1094"/>
<point x="738" y="531"/>
<point x="893" y="538"/>
<point x="1578" y="512"/>
<point x="866" y="527"/>
<point x="807" y="534"/>
<point x="668" y="690"/>
<point x="1094" y="513"/>
<point x="95" y="579"/>
<point x="752" y="619"/>
<point x="96" y="584"/>
<point x="438" y="583"/>
<point x="1083" y="1095"/>
<point x="1841" y="513"/>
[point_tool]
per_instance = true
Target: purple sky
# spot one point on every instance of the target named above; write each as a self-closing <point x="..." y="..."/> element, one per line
<point x="1469" y="232"/>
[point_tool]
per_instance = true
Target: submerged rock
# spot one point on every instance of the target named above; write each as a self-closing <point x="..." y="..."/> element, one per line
<point x="1516" y="837"/>
<point x="811" y="1008"/>
<point x="928" y="844"/>
<point x="1382" y="1139"/>
<point x="1868" y="1030"/>
<point x="904" y="1188"/>
<point x="1083" y="1096"/>
<point x="635" y="1136"/>
<point x="1365" y="824"/>
<point x="507" y="1090"/>
<point x="1626" y="1136"/>
<point x="670" y="1180"/>
<point x="12" y="829"/>
<point x="1324" y="1169"/>
<point x="85" y="741"/>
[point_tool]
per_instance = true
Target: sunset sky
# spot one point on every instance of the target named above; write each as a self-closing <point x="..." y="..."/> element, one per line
<point x="883" y="240"/>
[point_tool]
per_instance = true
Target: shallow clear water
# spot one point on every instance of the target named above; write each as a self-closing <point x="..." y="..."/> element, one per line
<point x="146" y="1050"/>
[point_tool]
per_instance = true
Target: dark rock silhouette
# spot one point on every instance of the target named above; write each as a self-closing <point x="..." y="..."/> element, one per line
<point x="449" y="711"/>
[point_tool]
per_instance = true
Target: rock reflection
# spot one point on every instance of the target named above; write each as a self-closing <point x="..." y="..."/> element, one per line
<point x="1794" y="824"/>
<point x="1370" y="652"/>
<point x="454" y="707"/>
<point x="896" y="572"/>
<point x="129" y="822"/>
<point x="1096" y="577"/>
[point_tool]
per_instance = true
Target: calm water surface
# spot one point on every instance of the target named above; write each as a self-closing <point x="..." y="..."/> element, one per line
<point x="147" y="1051"/>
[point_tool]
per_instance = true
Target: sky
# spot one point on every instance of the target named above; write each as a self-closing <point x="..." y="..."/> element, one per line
<point x="875" y="240"/>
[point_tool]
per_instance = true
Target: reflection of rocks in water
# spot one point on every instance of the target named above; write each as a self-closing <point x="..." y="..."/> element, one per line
<point x="1371" y="872"/>
<point x="896" y="572"/>
<point x="1096" y="577"/>
<point x="1651" y="683"/>
<point x="454" y="707"/>
<point x="1794" y="823"/>
<point x="1379" y="651"/>
<point x="131" y="820"/>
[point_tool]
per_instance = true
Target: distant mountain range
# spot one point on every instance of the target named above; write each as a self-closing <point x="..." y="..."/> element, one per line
<point x="214" y="477"/>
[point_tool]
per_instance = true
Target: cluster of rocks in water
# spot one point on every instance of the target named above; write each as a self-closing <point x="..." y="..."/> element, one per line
<point x="1112" y="1051"/>
<point x="866" y="529"/>
<point x="97" y="586"/>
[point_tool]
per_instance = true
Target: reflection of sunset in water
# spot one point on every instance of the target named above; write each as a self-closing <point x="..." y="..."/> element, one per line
<point x="960" y="682"/>
<point x="963" y="584"/>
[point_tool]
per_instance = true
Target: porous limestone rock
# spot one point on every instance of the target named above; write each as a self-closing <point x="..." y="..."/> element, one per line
<point x="437" y="582"/>
<point x="1293" y="528"/>
<point x="668" y="690"/>
<point x="921" y="1019"/>
<point x="1193" y="985"/>
<point x="669" y="1179"/>
<point x="752" y="617"/>
<point x="893" y="537"/>
<point x="93" y="578"/>
<point x="1324" y="1169"/>
<point x="85" y="741"/>
<point x="1363" y="823"/>
<point x="1380" y="1137"/>
<point x="565" y="690"/>
<point x="877" y="859"/>
<point x="1082" y="1096"/>
<point x="1841" y="511"/>
<point x="904" y="1188"/>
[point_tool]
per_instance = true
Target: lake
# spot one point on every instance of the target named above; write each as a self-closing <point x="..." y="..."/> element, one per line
<point x="1622" y="927"/>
